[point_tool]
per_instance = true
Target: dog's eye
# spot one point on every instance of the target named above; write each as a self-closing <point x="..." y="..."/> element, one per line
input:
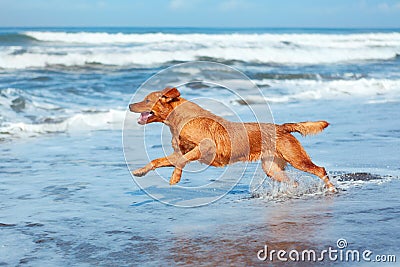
<point x="147" y="101"/>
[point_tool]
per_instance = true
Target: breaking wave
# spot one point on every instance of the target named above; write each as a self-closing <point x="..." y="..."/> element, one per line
<point x="290" y="90"/>
<point x="24" y="114"/>
<point x="149" y="49"/>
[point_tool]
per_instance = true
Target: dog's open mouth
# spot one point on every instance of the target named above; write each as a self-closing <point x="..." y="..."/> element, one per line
<point x="144" y="116"/>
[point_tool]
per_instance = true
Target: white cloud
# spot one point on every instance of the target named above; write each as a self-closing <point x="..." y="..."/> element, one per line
<point x="389" y="7"/>
<point x="233" y="5"/>
<point x="179" y="4"/>
<point x="383" y="6"/>
<point x="101" y="4"/>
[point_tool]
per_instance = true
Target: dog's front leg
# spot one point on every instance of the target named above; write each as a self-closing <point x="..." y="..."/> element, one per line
<point x="168" y="161"/>
<point x="192" y="155"/>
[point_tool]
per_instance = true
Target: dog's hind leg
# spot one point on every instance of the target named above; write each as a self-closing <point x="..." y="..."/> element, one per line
<point x="295" y="154"/>
<point x="192" y="155"/>
<point x="308" y="166"/>
<point x="275" y="169"/>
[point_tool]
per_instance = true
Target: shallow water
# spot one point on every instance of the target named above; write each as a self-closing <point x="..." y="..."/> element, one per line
<point x="75" y="209"/>
<point x="67" y="198"/>
<point x="74" y="202"/>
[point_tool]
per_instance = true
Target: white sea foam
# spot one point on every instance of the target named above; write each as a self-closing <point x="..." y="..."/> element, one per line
<point x="25" y="113"/>
<point x="38" y="113"/>
<point x="237" y="39"/>
<point x="292" y="90"/>
<point x="112" y="119"/>
<point x="20" y="105"/>
<point x="77" y="49"/>
<point x="311" y="186"/>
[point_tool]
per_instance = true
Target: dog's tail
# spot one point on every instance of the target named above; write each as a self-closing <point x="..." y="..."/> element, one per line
<point x="305" y="128"/>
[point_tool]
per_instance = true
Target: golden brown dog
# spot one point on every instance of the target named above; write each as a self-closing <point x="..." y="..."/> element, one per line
<point x="198" y="134"/>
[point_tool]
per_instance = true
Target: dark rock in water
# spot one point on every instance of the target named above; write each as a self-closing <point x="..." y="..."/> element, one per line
<point x="286" y="42"/>
<point x="31" y="224"/>
<point x="7" y="225"/>
<point x="19" y="52"/>
<point x="196" y="85"/>
<point x="26" y="260"/>
<point x="219" y="60"/>
<point x="244" y="102"/>
<point x="18" y="104"/>
<point x="248" y="102"/>
<point x="41" y="79"/>
<point x="50" y="120"/>
<point x="359" y="176"/>
<point x="255" y="195"/>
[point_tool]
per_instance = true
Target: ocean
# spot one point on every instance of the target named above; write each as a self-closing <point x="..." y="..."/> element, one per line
<point x="66" y="194"/>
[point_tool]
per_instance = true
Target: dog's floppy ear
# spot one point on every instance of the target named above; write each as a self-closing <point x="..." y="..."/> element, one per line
<point x="170" y="94"/>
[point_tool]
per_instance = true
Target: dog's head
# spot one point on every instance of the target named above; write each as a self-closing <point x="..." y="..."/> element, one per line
<point x="156" y="106"/>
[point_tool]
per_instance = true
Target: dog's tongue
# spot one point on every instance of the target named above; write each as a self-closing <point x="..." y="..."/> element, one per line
<point x="143" y="117"/>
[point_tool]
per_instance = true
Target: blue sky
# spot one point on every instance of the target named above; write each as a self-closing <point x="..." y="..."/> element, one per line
<point x="202" y="13"/>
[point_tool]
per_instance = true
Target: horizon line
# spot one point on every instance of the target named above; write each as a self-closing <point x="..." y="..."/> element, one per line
<point x="218" y="27"/>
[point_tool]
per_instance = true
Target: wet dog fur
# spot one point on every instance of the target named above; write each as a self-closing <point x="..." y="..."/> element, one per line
<point x="199" y="135"/>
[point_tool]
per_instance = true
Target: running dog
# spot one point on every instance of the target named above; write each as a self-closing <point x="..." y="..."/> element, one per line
<point x="199" y="135"/>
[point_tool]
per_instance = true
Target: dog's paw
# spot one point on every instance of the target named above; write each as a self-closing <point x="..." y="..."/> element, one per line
<point x="140" y="172"/>
<point x="174" y="180"/>
<point x="332" y="189"/>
